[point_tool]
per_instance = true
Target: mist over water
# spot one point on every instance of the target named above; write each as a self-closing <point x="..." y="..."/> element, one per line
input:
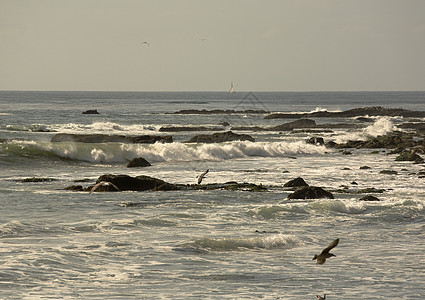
<point x="214" y="244"/>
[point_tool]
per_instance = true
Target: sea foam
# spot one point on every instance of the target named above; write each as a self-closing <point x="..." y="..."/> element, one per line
<point x="381" y="126"/>
<point x="281" y="241"/>
<point x="159" y="152"/>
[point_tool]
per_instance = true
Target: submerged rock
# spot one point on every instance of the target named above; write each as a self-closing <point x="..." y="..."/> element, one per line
<point x="388" y="172"/>
<point x="409" y="156"/>
<point x="38" y="179"/>
<point x="91" y="112"/>
<point x="316" y="141"/>
<point x="369" y="198"/>
<point x="220" y="137"/>
<point x="310" y="192"/>
<point x="138" y="162"/>
<point x="189" y="128"/>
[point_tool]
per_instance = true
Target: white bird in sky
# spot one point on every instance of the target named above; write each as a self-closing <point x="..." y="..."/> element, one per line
<point x="145" y="43"/>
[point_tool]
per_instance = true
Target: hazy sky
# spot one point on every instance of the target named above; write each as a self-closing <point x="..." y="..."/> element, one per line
<point x="263" y="45"/>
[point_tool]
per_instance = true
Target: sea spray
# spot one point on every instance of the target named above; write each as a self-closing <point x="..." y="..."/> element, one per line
<point x="381" y="126"/>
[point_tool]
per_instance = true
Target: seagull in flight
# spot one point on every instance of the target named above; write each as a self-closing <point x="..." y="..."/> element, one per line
<point x="145" y="43"/>
<point x="200" y="177"/>
<point x="321" y="258"/>
<point x="103" y="183"/>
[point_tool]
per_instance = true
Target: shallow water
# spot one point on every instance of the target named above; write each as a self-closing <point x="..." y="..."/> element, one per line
<point x="203" y="244"/>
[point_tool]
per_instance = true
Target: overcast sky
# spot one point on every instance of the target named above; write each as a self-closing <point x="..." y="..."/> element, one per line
<point x="282" y="45"/>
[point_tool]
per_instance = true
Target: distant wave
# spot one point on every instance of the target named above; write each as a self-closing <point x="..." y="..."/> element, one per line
<point x="158" y="152"/>
<point x="101" y="127"/>
<point x="281" y="241"/>
<point x="97" y="127"/>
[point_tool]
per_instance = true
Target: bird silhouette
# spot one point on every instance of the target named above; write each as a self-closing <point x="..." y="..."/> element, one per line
<point x="320" y="297"/>
<point x="103" y="183"/>
<point x="200" y="177"/>
<point x="321" y="258"/>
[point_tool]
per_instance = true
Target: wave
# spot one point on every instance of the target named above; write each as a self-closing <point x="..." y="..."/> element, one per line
<point x="96" y="127"/>
<point x="158" y="152"/>
<point x="10" y="228"/>
<point x="338" y="206"/>
<point x="280" y="241"/>
<point x="381" y="126"/>
<point x="102" y="127"/>
<point x="31" y="128"/>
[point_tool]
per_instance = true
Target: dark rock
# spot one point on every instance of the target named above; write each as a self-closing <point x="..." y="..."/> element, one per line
<point x="146" y="183"/>
<point x="370" y="190"/>
<point x="393" y="140"/>
<point x="388" y="172"/>
<point x="356" y="112"/>
<point x="104" y="138"/>
<point x="364" y="119"/>
<point x="310" y="192"/>
<point x="75" y="188"/>
<point x="331" y="144"/>
<point x="139" y="183"/>
<point x="369" y="198"/>
<point x="221" y="137"/>
<point x="138" y="162"/>
<point x="365" y="167"/>
<point x="91" y="112"/>
<point x="38" y="179"/>
<point x="297" y="182"/>
<point x="316" y="141"/>
<point x="189" y="128"/>
<point x="230" y="186"/>
<point x="409" y="156"/>
<point x="302" y="123"/>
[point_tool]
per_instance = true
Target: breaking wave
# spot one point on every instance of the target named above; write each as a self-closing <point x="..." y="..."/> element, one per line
<point x="381" y="126"/>
<point x="279" y="241"/>
<point x="158" y="152"/>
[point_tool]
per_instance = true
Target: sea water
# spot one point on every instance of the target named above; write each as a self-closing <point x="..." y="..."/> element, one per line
<point x="60" y="244"/>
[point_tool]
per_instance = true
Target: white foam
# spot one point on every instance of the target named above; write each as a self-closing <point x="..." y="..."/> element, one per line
<point x="347" y="207"/>
<point x="262" y="242"/>
<point x="381" y="126"/>
<point x="108" y="127"/>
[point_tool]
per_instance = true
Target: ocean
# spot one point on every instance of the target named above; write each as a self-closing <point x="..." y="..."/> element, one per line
<point x="205" y="244"/>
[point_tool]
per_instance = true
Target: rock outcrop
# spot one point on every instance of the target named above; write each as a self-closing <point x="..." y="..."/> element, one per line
<point x="356" y="112"/>
<point x="220" y="137"/>
<point x="310" y="192"/>
<point x="138" y="162"/>
<point x="104" y="138"/>
<point x="297" y="182"/>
